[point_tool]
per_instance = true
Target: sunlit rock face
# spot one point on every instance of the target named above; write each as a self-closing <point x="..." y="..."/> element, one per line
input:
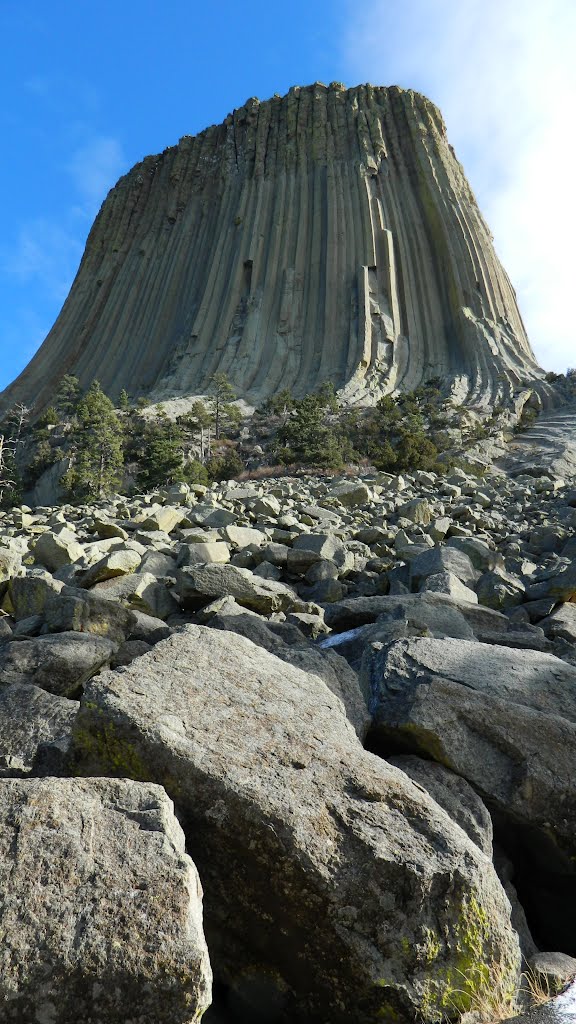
<point x="327" y="235"/>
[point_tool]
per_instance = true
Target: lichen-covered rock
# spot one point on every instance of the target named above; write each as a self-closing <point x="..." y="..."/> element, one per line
<point x="164" y="518"/>
<point x="75" y="610"/>
<point x="27" y="595"/>
<point x="335" y="889"/>
<point x="140" y="591"/>
<point x="417" y="510"/>
<point x="120" y="562"/>
<point x="350" y="494"/>
<point x="10" y="564"/>
<point x="100" y="907"/>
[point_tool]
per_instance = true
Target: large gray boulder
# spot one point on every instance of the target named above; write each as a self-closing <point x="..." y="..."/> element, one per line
<point x="563" y="586"/>
<point x="28" y="595"/>
<point x="100" y="906"/>
<point x="442" y="559"/>
<point x="503" y="719"/>
<point x="120" y="562"/>
<point x="10" y="564"/>
<point x="335" y="889"/>
<point x="198" y="583"/>
<point x="31" y="718"/>
<point x="56" y="548"/>
<point x="139" y="591"/>
<point x="328" y="665"/>
<point x="75" y="610"/>
<point x="454" y="794"/>
<point x="59" y="662"/>
<point x="433" y="613"/>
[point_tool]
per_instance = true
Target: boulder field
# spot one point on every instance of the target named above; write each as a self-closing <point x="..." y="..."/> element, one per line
<point x="289" y="750"/>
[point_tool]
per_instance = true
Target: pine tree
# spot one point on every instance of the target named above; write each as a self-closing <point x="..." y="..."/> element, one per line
<point x="124" y="401"/>
<point x="160" y="453"/>
<point x="96" y="442"/>
<point x="221" y="401"/>
<point x="200" y="421"/>
<point x="308" y="437"/>
<point x="68" y="396"/>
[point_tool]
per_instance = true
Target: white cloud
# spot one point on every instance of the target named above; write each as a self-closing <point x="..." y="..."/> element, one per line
<point x="503" y="74"/>
<point x="44" y="253"/>
<point x="95" y="168"/>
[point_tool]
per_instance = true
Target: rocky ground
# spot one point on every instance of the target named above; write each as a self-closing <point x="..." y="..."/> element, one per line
<point x="344" y="708"/>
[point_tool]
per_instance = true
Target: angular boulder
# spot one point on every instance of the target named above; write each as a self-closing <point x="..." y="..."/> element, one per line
<point x="197" y="583"/>
<point x="503" y="719"/>
<point x="55" y="549"/>
<point x="121" y="562"/>
<point x="59" y="662"/>
<point x="442" y="559"/>
<point x="139" y="591"/>
<point x="100" y="907"/>
<point x="334" y="888"/>
<point x="75" y="610"/>
<point x="29" y="718"/>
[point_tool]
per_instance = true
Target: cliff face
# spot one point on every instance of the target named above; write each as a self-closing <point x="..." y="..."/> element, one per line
<point x="326" y="235"/>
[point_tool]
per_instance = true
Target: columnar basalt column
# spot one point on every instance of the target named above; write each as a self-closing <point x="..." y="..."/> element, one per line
<point x="329" y="234"/>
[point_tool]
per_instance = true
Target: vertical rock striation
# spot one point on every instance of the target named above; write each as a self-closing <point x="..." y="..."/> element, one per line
<point x="329" y="234"/>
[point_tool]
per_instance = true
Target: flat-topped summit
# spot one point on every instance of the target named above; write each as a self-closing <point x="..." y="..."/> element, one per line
<point x="329" y="234"/>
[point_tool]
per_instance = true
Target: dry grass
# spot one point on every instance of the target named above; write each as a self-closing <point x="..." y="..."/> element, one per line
<point x="490" y="1001"/>
<point x="539" y="989"/>
<point x="495" y="1004"/>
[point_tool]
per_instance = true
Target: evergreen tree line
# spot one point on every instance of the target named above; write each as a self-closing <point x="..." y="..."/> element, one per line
<point x="108" y="447"/>
<point x="401" y="433"/>
<point x="105" y="445"/>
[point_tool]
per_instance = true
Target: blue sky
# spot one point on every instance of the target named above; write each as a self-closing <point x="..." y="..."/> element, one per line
<point x="88" y="89"/>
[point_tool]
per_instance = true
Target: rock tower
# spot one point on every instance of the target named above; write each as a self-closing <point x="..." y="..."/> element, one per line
<point x="326" y="235"/>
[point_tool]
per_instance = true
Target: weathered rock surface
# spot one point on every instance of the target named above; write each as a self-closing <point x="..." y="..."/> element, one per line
<point x="197" y="584"/>
<point x="461" y="803"/>
<point x="503" y="719"/>
<point x="100" y="907"/>
<point x="59" y="663"/>
<point x="365" y="175"/>
<point x="334" y="888"/>
<point x="31" y="717"/>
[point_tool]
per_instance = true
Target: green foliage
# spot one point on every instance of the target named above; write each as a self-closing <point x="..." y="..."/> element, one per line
<point x="225" y="414"/>
<point x="158" y="447"/>
<point x="49" y="417"/>
<point x="225" y="464"/>
<point x="68" y="396"/>
<point x="395" y="435"/>
<point x="195" y="473"/>
<point x="96" y="447"/>
<point x="200" y="422"/>
<point x="307" y="437"/>
<point x="199" y="417"/>
<point x="124" y="401"/>
<point x="280" y="404"/>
